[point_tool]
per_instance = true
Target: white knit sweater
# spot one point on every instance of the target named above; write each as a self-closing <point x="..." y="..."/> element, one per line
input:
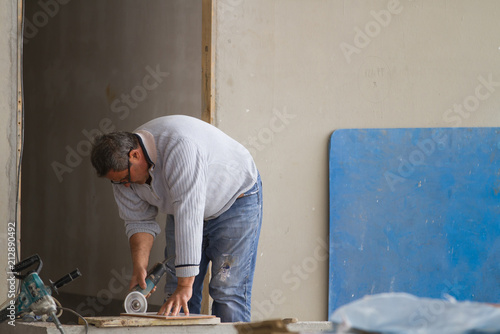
<point x="197" y="174"/>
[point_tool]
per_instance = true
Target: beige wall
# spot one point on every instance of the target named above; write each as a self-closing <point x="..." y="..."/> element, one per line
<point x="8" y="137"/>
<point x="97" y="66"/>
<point x="290" y="72"/>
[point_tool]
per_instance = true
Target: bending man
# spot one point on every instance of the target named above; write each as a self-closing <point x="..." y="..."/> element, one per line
<point x="210" y="189"/>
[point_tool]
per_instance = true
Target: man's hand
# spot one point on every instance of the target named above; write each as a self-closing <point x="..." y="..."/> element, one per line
<point x="138" y="277"/>
<point x="179" y="298"/>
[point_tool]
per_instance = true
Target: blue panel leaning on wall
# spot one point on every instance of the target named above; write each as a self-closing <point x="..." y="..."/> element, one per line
<point x="414" y="210"/>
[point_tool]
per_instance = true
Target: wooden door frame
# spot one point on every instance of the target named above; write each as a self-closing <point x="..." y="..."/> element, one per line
<point x="208" y="61"/>
<point x="208" y="101"/>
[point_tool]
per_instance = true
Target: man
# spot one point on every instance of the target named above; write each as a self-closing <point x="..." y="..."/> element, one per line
<point x="210" y="189"/>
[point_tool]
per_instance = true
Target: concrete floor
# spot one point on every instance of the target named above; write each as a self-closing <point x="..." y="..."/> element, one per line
<point x="48" y="328"/>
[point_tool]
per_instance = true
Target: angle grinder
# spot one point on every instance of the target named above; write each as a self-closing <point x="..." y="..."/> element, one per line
<point x="136" y="302"/>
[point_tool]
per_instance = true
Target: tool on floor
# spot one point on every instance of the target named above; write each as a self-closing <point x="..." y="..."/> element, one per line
<point x="35" y="296"/>
<point x="136" y="302"/>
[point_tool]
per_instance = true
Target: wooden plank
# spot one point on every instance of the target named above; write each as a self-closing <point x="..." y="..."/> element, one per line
<point x="155" y="315"/>
<point x="208" y="62"/>
<point x="151" y="319"/>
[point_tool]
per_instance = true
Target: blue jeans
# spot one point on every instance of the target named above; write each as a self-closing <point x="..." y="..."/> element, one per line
<point x="230" y="243"/>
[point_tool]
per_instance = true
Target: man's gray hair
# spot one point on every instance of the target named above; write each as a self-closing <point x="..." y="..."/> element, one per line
<point x="110" y="152"/>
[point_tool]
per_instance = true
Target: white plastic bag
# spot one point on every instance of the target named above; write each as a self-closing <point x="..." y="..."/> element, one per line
<point x="405" y="313"/>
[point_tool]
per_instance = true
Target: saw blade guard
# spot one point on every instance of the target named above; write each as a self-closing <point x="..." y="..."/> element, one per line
<point x="135" y="302"/>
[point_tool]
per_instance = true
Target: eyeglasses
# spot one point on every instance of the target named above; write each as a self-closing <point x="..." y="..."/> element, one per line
<point x="128" y="176"/>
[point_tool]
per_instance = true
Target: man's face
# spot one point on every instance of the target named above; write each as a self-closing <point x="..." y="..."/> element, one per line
<point x="137" y="171"/>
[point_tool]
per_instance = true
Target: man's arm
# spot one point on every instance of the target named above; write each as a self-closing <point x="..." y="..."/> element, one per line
<point x="140" y="248"/>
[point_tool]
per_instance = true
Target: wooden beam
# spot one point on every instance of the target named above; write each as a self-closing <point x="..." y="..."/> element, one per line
<point x="208" y="61"/>
<point x="208" y="103"/>
<point x="20" y="119"/>
<point x="206" y="301"/>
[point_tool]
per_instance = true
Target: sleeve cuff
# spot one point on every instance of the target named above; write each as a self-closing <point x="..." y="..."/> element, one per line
<point x="133" y="228"/>
<point x="187" y="271"/>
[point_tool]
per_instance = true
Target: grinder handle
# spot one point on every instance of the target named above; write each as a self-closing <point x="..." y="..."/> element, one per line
<point x="154" y="276"/>
<point x="65" y="280"/>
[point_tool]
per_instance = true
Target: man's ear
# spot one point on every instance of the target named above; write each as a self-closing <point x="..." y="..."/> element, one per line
<point x="135" y="154"/>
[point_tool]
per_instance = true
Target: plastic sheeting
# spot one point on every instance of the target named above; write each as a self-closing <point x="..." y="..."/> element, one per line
<point x="405" y="313"/>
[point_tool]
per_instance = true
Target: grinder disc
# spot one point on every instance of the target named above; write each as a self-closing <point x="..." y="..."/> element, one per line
<point x="135" y="302"/>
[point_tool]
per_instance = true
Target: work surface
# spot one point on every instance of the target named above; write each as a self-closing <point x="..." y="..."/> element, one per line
<point x="223" y="328"/>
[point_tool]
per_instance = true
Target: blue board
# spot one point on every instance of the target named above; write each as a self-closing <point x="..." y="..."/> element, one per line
<point x="416" y="211"/>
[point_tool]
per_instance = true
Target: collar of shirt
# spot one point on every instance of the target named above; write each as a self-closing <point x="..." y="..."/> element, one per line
<point x="147" y="142"/>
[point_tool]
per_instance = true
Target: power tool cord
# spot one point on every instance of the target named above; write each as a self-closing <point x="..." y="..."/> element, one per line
<point x="79" y="316"/>
<point x="61" y="308"/>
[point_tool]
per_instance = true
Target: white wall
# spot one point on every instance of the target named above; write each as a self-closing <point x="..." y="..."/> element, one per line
<point x="8" y="137"/>
<point x="290" y="72"/>
<point x="90" y="67"/>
